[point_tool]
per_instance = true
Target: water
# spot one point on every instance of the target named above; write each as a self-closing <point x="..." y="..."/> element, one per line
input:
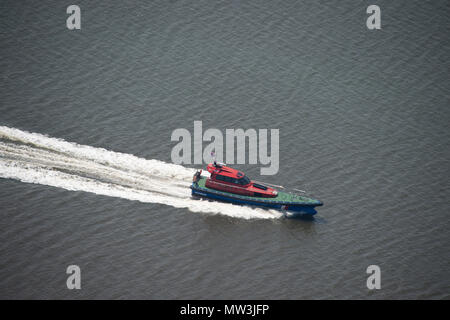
<point x="85" y="124"/>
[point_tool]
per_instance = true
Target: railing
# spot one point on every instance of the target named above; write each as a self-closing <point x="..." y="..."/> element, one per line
<point x="272" y="185"/>
<point x="300" y="201"/>
<point x="231" y="186"/>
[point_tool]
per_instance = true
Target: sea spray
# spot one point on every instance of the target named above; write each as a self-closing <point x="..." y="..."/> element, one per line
<point x="36" y="158"/>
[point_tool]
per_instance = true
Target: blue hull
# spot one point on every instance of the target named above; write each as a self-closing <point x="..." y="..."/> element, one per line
<point x="304" y="209"/>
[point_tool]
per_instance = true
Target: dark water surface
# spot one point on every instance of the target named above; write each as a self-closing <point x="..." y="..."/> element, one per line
<point x="363" y="118"/>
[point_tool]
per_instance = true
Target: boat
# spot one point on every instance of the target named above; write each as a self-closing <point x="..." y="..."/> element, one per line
<point x="230" y="185"/>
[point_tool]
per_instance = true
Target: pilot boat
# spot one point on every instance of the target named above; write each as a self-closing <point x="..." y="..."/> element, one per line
<point x="231" y="185"/>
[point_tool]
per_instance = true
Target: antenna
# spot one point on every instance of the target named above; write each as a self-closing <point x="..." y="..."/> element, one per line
<point x="213" y="155"/>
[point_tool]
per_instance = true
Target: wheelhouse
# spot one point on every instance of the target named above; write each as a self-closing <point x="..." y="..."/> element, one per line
<point x="231" y="180"/>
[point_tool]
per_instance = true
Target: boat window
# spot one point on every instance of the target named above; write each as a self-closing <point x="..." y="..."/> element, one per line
<point x="220" y="177"/>
<point x="225" y="178"/>
<point x="259" y="186"/>
<point x="243" y="181"/>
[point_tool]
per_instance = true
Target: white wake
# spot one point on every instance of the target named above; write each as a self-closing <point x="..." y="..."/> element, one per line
<point x="36" y="158"/>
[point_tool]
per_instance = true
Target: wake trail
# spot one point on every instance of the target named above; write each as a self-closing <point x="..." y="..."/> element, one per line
<point x="36" y="158"/>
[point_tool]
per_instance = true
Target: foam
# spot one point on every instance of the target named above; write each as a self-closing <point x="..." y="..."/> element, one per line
<point x="36" y="158"/>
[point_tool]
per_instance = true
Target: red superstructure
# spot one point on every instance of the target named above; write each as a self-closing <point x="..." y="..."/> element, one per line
<point x="227" y="179"/>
